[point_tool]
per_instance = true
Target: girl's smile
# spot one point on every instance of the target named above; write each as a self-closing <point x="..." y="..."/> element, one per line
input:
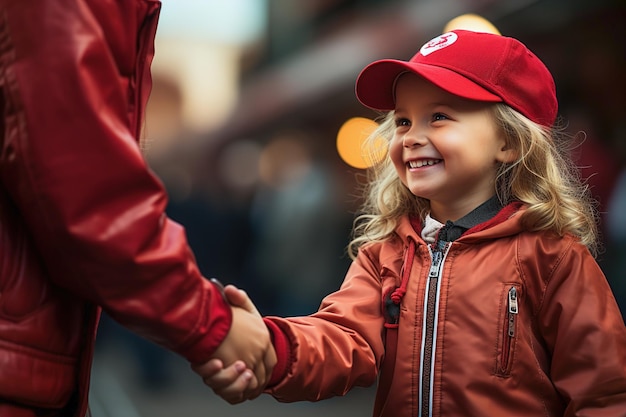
<point x="419" y="163"/>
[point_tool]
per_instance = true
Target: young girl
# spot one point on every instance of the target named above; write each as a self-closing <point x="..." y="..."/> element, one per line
<point x="473" y="291"/>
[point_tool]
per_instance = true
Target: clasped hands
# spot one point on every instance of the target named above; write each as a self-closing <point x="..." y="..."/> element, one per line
<point x="242" y="365"/>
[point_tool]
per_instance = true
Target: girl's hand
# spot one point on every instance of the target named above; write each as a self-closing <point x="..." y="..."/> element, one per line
<point x="231" y="383"/>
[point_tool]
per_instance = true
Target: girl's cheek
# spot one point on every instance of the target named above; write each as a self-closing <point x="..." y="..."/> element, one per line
<point x="395" y="149"/>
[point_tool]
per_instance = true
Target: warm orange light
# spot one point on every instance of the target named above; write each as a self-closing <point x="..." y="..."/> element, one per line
<point x="471" y="22"/>
<point x="351" y="143"/>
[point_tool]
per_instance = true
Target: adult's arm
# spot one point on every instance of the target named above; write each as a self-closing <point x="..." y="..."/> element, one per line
<point x="75" y="81"/>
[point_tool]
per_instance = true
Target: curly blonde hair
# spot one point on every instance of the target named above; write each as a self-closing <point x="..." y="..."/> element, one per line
<point x="543" y="177"/>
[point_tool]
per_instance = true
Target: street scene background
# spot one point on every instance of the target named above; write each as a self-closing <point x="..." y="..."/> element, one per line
<point x="241" y="126"/>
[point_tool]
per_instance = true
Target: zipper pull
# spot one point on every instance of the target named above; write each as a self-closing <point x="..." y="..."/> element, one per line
<point x="513" y="310"/>
<point x="437" y="256"/>
<point x="513" y="300"/>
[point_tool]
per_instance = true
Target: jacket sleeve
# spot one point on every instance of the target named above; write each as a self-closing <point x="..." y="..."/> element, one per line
<point x="75" y="80"/>
<point x="583" y="327"/>
<point x="338" y="347"/>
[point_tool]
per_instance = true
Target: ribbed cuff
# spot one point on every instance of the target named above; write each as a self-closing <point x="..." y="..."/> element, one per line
<point x="283" y="352"/>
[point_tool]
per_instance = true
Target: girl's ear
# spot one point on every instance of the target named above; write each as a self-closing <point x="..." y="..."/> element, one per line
<point x="507" y="155"/>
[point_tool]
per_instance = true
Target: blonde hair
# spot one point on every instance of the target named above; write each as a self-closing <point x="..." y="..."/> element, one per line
<point x="543" y="177"/>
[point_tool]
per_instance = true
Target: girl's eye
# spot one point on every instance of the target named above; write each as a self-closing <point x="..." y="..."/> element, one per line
<point x="438" y="117"/>
<point x="402" y="122"/>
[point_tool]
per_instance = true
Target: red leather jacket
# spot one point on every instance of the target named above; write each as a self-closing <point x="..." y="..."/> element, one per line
<point x="82" y="222"/>
<point x="501" y="323"/>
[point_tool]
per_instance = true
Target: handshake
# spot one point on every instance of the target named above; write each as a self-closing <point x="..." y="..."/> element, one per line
<point x="242" y="365"/>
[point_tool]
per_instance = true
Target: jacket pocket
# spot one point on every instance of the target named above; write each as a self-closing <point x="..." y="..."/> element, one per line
<point x="509" y="311"/>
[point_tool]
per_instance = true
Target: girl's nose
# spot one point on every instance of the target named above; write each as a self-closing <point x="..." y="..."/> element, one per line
<point x="413" y="138"/>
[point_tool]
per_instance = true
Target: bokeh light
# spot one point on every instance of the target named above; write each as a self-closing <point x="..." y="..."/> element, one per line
<point x="352" y="146"/>
<point x="471" y="22"/>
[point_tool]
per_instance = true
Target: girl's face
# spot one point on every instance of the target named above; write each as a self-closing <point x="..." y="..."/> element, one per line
<point x="445" y="149"/>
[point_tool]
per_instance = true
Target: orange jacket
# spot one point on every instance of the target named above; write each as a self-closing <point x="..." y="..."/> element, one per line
<point x="82" y="222"/>
<point x="506" y="323"/>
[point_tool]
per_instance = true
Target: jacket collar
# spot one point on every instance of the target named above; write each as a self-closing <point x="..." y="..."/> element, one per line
<point x="504" y="222"/>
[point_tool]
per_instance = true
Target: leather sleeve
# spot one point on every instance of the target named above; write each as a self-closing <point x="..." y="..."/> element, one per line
<point x="338" y="347"/>
<point x="582" y="325"/>
<point x="75" y="80"/>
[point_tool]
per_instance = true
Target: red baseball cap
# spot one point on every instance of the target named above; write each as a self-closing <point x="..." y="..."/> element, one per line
<point x="474" y="65"/>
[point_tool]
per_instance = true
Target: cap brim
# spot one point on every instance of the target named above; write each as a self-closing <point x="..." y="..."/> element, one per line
<point x="375" y="85"/>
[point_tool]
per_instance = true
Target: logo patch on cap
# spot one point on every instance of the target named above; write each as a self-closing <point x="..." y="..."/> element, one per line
<point x="440" y="42"/>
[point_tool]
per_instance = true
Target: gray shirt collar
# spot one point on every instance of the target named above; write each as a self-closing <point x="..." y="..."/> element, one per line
<point x="451" y="231"/>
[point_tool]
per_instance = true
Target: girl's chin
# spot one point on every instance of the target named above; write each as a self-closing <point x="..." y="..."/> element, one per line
<point x="419" y="193"/>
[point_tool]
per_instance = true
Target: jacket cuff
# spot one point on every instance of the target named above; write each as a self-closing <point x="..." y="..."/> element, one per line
<point x="221" y="314"/>
<point x="213" y="328"/>
<point x="283" y="352"/>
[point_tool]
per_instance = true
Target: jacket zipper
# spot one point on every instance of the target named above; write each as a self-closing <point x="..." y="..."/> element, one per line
<point x="429" y="330"/>
<point x="509" y="330"/>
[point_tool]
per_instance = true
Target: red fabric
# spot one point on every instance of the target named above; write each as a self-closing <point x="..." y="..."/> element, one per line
<point x="82" y="217"/>
<point x="283" y="353"/>
<point x="472" y="65"/>
<point x="566" y="357"/>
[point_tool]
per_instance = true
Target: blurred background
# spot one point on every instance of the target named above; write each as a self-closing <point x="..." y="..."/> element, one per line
<point x="241" y="126"/>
